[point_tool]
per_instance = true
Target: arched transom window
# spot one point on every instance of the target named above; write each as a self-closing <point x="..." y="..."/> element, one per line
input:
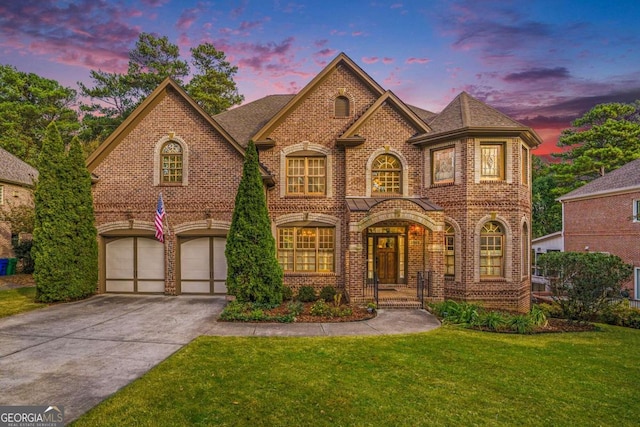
<point x="385" y="175"/>
<point x="171" y="163"/>
<point x="491" y="250"/>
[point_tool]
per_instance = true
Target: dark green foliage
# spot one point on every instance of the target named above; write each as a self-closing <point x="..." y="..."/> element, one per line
<point x="253" y="273"/>
<point x="320" y="308"/>
<point x="287" y="293"/>
<point x="28" y="103"/>
<point x="114" y="96"/>
<point x="584" y="283"/>
<point x="237" y="311"/>
<point x="475" y="317"/>
<point x="327" y="293"/>
<point x="546" y="211"/>
<point x="307" y="294"/>
<point x="521" y="324"/>
<point x="64" y="238"/>
<point x="620" y="314"/>
<point x="80" y="206"/>
<point x="22" y="250"/>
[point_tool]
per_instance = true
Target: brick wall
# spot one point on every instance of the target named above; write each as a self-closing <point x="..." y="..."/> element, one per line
<point x="13" y="195"/>
<point x="603" y="224"/>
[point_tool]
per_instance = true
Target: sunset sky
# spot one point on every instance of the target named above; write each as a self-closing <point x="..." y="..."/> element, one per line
<point x="542" y="62"/>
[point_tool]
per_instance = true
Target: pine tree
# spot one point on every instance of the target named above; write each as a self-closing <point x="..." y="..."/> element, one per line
<point x="253" y="273"/>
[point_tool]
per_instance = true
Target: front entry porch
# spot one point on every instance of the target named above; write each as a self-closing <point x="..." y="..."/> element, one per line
<point x="395" y="255"/>
<point x="397" y="264"/>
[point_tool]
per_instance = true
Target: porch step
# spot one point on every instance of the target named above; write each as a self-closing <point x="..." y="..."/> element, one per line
<point x="403" y="303"/>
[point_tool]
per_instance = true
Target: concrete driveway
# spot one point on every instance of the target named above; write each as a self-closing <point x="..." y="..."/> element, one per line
<point x="77" y="354"/>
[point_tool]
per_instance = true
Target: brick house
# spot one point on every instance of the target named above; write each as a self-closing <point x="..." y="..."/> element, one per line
<point x="603" y="216"/>
<point x="17" y="179"/>
<point x="361" y="189"/>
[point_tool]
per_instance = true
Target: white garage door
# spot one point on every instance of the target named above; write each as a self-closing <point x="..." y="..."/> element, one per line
<point x="203" y="266"/>
<point x="134" y="264"/>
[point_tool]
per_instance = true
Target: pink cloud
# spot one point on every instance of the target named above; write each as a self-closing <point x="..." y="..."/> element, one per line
<point x="357" y="33"/>
<point x="414" y="60"/>
<point x="370" y="59"/>
<point x="387" y="60"/>
<point x="187" y="18"/>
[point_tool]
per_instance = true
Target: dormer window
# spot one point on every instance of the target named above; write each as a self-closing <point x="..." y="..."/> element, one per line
<point x="342" y="107"/>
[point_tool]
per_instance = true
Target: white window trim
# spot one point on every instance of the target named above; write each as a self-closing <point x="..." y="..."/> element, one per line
<point x="1" y="194"/>
<point x="636" y="210"/>
<point x="637" y="282"/>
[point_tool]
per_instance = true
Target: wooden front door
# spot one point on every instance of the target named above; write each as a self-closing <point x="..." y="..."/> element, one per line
<point x="387" y="259"/>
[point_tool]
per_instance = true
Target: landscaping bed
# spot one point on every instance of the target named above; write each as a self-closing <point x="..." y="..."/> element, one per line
<point x="298" y="312"/>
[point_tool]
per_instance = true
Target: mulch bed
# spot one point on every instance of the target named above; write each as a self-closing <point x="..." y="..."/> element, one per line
<point x="563" y="325"/>
<point x="16" y="281"/>
<point x="358" y="314"/>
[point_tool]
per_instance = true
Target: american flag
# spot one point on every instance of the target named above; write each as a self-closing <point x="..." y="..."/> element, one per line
<point x="159" y="220"/>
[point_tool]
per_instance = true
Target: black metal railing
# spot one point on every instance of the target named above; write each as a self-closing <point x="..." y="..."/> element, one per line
<point x="423" y="286"/>
<point x="371" y="288"/>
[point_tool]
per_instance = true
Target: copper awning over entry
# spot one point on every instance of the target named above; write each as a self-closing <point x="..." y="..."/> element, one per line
<point x="365" y="204"/>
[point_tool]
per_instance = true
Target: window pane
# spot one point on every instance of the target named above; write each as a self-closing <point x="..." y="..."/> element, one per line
<point x="491" y="251"/>
<point x="385" y="174"/>
<point x="491" y="158"/>
<point x="306" y="249"/>
<point x="443" y="165"/>
<point x="306" y="175"/>
<point x="342" y="106"/>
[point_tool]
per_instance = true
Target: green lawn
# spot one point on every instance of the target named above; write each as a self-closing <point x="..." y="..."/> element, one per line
<point x="449" y="376"/>
<point x="14" y="301"/>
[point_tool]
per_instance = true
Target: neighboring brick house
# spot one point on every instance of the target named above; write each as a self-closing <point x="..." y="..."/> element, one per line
<point x="17" y="179"/>
<point x="603" y="216"/>
<point x="360" y="187"/>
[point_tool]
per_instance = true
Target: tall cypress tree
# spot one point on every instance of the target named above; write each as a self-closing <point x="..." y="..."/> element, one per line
<point x="65" y="250"/>
<point x="53" y="228"/>
<point x="80" y="199"/>
<point x="253" y="273"/>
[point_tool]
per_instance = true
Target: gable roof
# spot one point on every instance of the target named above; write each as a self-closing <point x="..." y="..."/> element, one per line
<point x="625" y="178"/>
<point x="15" y="171"/>
<point x="391" y="99"/>
<point x="341" y="60"/>
<point x="467" y="115"/>
<point x="244" y="121"/>
<point x="145" y="108"/>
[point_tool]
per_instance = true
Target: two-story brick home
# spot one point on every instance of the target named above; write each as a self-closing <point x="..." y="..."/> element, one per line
<point x="17" y="179"/>
<point x="604" y="216"/>
<point x="362" y="189"/>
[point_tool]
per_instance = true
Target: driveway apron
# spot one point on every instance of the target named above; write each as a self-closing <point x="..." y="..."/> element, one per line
<point x="77" y="354"/>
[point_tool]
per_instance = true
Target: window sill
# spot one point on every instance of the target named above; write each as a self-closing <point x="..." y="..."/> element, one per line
<point x="309" y="273"/>
<point x="305" y="196"/>
<point x="442" y="184"/>
<point x="492" y="279"/>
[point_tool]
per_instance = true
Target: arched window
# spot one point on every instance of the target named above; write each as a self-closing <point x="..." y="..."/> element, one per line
<point x="449" y="250"/>
<point x="171" y="163"/>
<point x="385" y="175"/>
<point x="526" y="247"/>
<point x="341" y="106"/>
<point x="491" y="250"/>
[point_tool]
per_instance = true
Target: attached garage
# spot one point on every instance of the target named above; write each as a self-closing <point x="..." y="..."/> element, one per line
<point x="134" y="264"/>
<point x="203" y="266"/>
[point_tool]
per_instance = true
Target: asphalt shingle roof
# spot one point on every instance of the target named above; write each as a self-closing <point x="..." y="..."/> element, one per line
<point x="246" y="120"/>
<point x="466" y="111"/>
<point x="14" y="170"/>
<point x="625" y="176"/>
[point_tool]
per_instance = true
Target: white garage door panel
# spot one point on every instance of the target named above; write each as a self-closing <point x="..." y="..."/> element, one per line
<point x="150" y="260"/>
<point x="119" y="254"/>
<point x="119" y="285"/>
<point x="219" y="260"/>
<point x="194" y="260"/>
<point x="150" y="286"/>
<point x="195" y="287"/>
<point x="134" y="270"/>
<point x="203" y="264"/>
<point x="220" y="287"/>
